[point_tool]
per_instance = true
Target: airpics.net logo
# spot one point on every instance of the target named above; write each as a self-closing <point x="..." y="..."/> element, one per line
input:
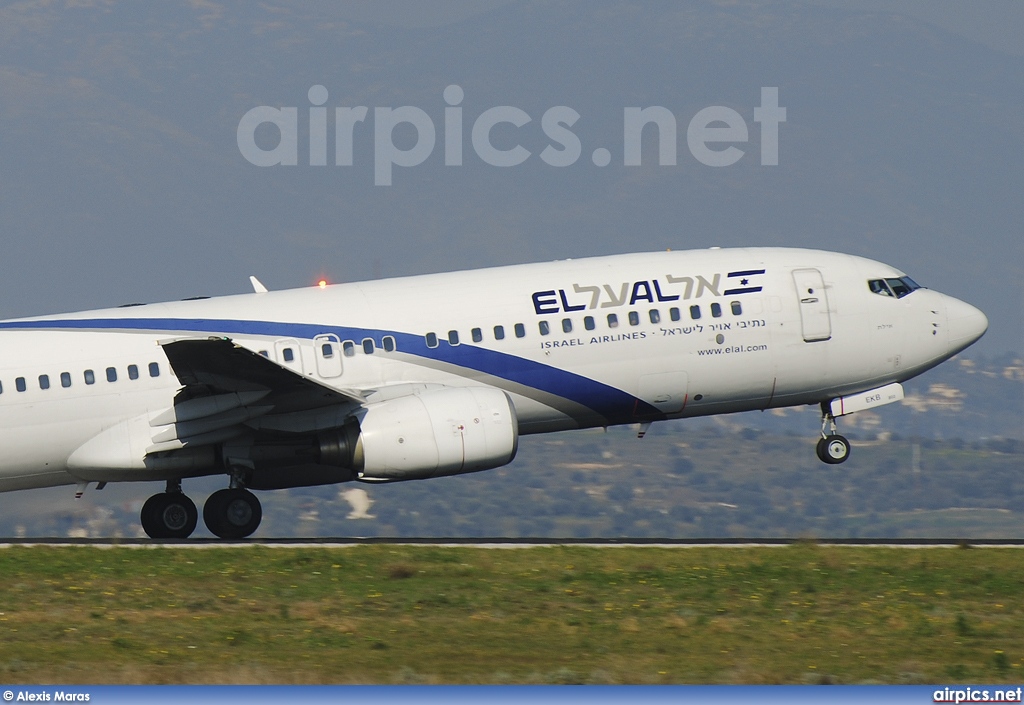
<point x="714" y="135"/>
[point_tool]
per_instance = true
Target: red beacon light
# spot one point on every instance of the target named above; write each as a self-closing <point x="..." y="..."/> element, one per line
<point x="322" y="283"/>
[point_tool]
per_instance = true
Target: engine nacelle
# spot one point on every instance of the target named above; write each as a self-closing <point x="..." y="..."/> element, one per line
<point x="436" y="433"/>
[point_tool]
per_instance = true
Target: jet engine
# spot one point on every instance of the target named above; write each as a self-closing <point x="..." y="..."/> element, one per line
<point x="434" y="433"/>
<point x="440" y="432"/>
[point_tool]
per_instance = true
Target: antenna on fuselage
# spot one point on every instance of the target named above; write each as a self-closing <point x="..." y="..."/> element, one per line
<point x="257" y="285"/>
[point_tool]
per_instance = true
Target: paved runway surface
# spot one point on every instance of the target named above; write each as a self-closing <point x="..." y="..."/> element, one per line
<point x="525" y="542"/>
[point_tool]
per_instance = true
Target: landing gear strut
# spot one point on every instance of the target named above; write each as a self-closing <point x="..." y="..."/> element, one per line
<point x="832" y="447"/>
<point x="170" y="514"/>
<point x="232" y="513"/>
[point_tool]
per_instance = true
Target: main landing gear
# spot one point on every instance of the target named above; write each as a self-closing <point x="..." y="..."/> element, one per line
<point x="170" y="514"/>
<point x="832" y="447"/>
<point x="232" y="513"/>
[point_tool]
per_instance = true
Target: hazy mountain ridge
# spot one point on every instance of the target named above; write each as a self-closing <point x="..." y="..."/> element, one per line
<point x="751" y="474"/>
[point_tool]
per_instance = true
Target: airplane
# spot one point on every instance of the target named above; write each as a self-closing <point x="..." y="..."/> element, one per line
<point x="440" y="374"/>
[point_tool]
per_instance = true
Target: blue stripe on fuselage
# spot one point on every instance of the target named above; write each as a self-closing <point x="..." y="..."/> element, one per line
<point x="613" y="404"/>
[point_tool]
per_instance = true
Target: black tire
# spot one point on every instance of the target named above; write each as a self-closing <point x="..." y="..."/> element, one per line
<point x="820" y="450"/>
<point x="834" y="449"/>
<point x="149" y="517"/>
<point x="213" y="512"/>
<point x="169" y="515"/>
<point x="232" y="514"/>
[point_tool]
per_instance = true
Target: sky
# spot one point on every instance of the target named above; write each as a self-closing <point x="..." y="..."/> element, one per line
<point x="122" y="178"/>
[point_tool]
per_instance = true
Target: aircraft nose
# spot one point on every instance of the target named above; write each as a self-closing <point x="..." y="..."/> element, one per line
<point x="965" y="323"/>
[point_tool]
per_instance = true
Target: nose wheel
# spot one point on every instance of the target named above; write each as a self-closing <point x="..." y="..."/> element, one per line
<point x="832" y="447"/>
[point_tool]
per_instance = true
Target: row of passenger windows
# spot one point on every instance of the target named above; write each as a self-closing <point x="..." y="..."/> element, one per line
<point x="589" y="323"/>
<point x="88" y="376"/>
<point x="348" y="349"/>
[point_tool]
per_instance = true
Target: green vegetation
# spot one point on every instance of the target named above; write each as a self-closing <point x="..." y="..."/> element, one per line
<point x="415" y="614"/>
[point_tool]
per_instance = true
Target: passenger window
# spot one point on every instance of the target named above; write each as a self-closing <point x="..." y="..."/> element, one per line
<point x="499" y="332"/>
<point x="634" y="318"/>
<point x="613" y="320"/>
<point x="348" y="348"/>
<point x="90" y="377"/>
<point x="588" y="322"/>
<point x="567" y="325"/>
<point x="389" y="343"/>
<point x="133" y="371"/>
<point x="288" y="355"/>
<point x="695" y="312"/>
<point x="673" y="313"/>
<point x="520" y="330"/>
<point x="19" y="384"/>
<point x="453" y="337"/>
<point x="1" y="387"/>
<point x="65" y="379"/>
<point x="716" y="310"/>
<point x="737" y="309"/>
<point x="154" y="368"/>
<point x="44" y="381"/>
<point x="431" y="340"/>
<point x="368" y="346"/>
<point x="327" y="351"/>
<point x="544" y="327"/>
<point x="477" y="335"/>
<point x="655" y="315"/>
<point x="111" y="374"/>
<point x="264" y="353"/>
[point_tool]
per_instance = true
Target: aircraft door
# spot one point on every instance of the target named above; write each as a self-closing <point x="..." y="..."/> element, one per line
<point x="327" y="349"/>
<point x="288" y="353"/>
<point x="814" y="316"/>
<point x="666" y="391"/>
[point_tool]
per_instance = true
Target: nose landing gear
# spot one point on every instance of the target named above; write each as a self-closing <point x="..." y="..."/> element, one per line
<point x="832" y="447"/>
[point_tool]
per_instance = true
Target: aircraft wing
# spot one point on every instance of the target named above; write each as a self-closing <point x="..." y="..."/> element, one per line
<point x="227" y="390"/>
<point x="215" y="366"/>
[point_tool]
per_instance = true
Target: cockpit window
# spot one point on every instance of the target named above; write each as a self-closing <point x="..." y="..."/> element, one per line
<point x="911" y="283"/>
<point x="897" y="287"/>
<point x="878" y="286"/>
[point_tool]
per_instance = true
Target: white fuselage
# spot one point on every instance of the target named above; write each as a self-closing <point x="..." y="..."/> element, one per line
<point x="691" y="333"/>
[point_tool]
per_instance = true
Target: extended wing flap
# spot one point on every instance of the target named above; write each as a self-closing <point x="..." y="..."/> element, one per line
<point x="220" y="366"/>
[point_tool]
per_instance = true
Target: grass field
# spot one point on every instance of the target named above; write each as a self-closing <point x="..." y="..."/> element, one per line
<point x="416" y="614"/>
